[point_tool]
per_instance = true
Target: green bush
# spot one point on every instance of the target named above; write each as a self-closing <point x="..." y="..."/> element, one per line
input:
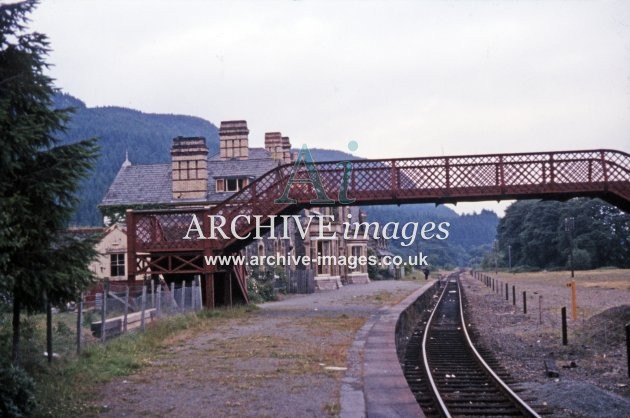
<point x="16" y="392"/>
<point x="63" y="329"/>
<point x="260" y="286"/>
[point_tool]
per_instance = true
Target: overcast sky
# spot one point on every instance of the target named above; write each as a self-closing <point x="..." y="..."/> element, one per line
<point x="400" y="78"/>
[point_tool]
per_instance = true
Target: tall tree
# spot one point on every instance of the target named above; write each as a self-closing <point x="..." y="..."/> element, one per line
<point x="38" y="177"/>
<point x="537" y="234"/>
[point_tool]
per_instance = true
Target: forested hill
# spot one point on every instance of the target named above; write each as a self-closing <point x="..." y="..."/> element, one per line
<point x="470" y="236"/>
<point x="146" y="137"/>
<point x="319" y="154"/>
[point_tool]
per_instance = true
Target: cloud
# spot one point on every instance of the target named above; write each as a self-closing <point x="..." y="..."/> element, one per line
<point x="401" y="78"/>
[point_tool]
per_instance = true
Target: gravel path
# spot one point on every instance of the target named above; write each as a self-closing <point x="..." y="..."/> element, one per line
<point x="598" y="385"/>
<point x="286" y="359"/>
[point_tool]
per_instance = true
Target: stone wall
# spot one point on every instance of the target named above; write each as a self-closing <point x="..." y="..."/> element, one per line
<point x="409" y="318"/>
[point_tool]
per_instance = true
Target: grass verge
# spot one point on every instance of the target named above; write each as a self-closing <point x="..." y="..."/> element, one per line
<point x="68" y="387"/>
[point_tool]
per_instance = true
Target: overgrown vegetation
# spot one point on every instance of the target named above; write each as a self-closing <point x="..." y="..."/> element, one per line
<point x="17" y="393"/>
<point x="260" y="284"/>
<point x="68" y="387"/>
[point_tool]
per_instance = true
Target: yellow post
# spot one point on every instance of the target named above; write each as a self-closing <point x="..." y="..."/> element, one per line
<point x="573" y="298"/>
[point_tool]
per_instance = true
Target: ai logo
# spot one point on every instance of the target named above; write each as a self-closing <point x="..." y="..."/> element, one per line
<point x="304" y="157"/>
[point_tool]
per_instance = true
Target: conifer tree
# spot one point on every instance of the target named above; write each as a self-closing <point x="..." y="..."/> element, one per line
<point x="38" y="177"/>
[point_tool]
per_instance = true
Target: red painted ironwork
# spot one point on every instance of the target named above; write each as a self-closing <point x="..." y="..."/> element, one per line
<point x="550" y="175"/>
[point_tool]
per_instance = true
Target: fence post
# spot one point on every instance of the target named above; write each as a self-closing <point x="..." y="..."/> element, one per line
<point x="573" y="299"/>
<point x="514" y="295"/>
<point x="192" y="294"/>
<point x="173" y="303"/>
<point x="152" y="293"/>
<point x="564" y="325"/>
<point x="144" y="305"/>
<point x="628" y="346"/>
<point x="159" y="300"/>
<point x="126" y="309"/>
<point x="540" y="298"/>
<point x="524" y="302"/>
<point x="49" y="337"/>
<point x="492" y="285"/>
<point x="182" y="297"/>
<point x="79" y="322"/>
<point x="507" y="292"/>
<point x="200" y="304"/>
<point x="104" y="309"/>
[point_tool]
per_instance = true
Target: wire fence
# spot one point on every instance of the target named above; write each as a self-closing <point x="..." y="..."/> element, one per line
<point x="548" y="316"/>
<point x="115" y="308"/>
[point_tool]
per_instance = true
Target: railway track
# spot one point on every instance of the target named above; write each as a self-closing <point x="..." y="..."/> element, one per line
<point x="448" y="375"/>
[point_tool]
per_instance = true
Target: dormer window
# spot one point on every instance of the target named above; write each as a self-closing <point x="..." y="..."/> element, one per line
<point x="231" y="184"/>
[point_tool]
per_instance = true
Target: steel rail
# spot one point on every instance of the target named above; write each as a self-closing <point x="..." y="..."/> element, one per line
<point x="425" y="360"/>
<point x="491" y="374"/>
<point x="521" y="403"/>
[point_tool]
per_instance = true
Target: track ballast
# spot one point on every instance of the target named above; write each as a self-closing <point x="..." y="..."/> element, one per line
<point x="460" y="383"/>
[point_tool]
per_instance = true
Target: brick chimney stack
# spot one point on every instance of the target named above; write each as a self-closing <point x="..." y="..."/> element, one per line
<point x="286" y="150"/>
<point x="273" y="144"/>
<point x="233" y="140"/>
<point x="189" y="164"/>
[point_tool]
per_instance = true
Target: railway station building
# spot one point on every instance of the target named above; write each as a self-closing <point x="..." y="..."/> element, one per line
<point x="194" y="180"/>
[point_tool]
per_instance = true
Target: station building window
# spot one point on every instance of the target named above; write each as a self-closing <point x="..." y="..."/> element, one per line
<point x="117" y="264"/>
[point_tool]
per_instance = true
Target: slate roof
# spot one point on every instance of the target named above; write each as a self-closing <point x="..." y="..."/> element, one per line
<point x="254" y="154"/>
<point x="152" y="183"/>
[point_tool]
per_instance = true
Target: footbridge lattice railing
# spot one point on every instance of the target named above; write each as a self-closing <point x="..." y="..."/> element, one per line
<point x="550" y="175"/>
